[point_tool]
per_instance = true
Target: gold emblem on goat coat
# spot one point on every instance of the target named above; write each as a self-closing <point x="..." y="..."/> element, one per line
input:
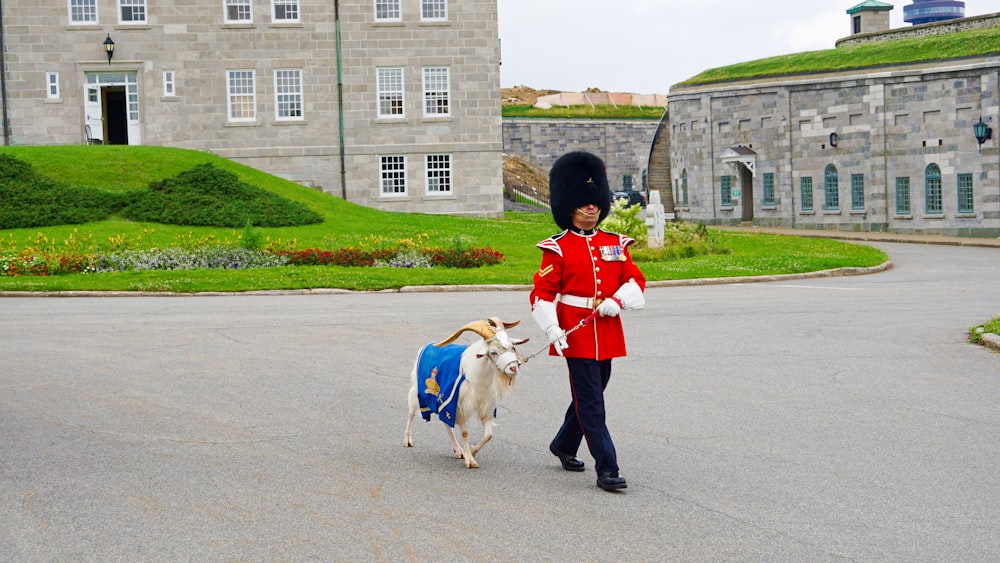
<point x="432" y="384"/>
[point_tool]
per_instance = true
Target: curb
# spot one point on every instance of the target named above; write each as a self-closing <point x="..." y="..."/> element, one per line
<point x="991" y="341"/>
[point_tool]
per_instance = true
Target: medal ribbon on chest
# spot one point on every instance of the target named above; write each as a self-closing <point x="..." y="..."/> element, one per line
<point x="612" y="253"/>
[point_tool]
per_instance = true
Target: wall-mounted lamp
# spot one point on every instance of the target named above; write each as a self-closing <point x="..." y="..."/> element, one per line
<point x="982" y="132"/>
<point x="109" y="47"/>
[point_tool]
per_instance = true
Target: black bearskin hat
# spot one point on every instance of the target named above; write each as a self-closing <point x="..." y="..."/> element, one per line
<point x="576" y="179"/>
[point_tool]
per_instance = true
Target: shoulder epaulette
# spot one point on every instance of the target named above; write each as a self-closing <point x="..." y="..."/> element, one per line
<point x="552" y="243"/>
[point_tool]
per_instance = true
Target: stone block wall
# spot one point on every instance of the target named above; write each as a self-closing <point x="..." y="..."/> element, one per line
<point x="624" y="145"/>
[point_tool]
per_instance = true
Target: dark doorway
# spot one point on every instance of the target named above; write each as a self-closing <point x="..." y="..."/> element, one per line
<point x="115" y="115"/>
<point x="746" y="186"/>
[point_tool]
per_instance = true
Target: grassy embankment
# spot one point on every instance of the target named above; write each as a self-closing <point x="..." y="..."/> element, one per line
<point x="123" y="169"/>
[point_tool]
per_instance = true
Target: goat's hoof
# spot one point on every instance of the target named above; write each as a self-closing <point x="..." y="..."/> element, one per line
<point x="471" y="465"/>
<point x="408" y="444"/>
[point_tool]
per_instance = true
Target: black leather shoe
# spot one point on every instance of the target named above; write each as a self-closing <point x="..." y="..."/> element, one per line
<point x="569" y="463"/>
<point x="611" y="482"/>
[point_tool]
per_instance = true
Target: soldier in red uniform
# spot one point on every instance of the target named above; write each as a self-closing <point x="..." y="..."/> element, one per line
<point x="583" y="270"/>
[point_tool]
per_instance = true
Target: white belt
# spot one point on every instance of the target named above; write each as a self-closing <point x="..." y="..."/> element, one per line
<point x="582" y="302"/>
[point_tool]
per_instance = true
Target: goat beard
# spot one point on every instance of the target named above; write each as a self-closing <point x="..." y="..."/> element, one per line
<point x="506" y="385"/>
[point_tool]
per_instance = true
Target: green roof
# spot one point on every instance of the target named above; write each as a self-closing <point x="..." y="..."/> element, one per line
<point x="983" y="42"/>
<point x="870" y="5"/>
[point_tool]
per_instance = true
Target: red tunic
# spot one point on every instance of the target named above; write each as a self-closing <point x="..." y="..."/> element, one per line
<point x="593" y="266"/>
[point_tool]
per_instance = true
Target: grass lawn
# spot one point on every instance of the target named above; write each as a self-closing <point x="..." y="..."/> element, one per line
<point x="121" y="168"/>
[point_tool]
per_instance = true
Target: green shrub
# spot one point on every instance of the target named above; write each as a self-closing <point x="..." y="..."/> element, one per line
<point x="624" y="219"/>
<point x="209" y="196"/>
<point x="32" y="200"/>
<point x="682" y="240"/>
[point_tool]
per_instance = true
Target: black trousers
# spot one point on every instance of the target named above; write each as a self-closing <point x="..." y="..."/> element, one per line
<point x="585" y="417"/>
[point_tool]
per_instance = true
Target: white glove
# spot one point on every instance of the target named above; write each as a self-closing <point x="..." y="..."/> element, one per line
<point x="630" y="295"/>
<point x="557" y="337"/>
<point x="544" y="313"/>
<point x="609" y="307"/>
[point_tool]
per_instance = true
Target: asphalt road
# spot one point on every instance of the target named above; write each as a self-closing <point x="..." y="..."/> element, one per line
<point x="832" y="419"/>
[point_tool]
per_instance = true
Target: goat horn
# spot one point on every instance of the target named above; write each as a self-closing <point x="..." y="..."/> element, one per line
<point x="482" y="328"/>
<point x="496" y="322"/>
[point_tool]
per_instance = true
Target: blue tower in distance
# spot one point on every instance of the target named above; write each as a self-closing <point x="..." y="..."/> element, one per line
<point x="929" y="11"/>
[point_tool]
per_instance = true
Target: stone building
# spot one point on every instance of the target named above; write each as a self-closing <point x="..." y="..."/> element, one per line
<point x="876" y="149"/>
<point x="393" y="104"/>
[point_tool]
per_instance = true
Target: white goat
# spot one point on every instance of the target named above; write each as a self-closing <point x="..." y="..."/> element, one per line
<point x="484" y="373"/>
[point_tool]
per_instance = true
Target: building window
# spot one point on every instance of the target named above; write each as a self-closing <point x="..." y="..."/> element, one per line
<point x="239" y="11"/>
<point x="393" y="175"/>
<point x="903" y="196"/>
<point x="285" y="11"/>
<point x="628" y="182"/>
<point x="831" y="188"/>
<point x="726" y="190"/>
<point x="169" y="88"/>
<point x="806" y="193"/>
<point x="684" y="188"/>
<point x="436" y="88"/>
<point x="82" y="11"/>
<point x="131" y="11"/>
<point x="932" y="189"/>
<point x="966" y="199"/>
<point x="767" y="199"/>
<point x="242" y="96"/>
<point x="439" y="174"/>
<point x="388" y="11"/>
<point x="288" y="94"/>
<point x="52" y="85"/>
<point x="434" y="10"/>
<point x="390" y="92"/>
<point x="857" y="191"/>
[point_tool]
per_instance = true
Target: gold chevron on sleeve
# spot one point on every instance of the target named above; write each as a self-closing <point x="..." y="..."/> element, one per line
<point x="545" y="271"/>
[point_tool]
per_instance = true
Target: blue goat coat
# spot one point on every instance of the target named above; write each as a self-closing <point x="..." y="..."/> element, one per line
<point x="439" y="377"/>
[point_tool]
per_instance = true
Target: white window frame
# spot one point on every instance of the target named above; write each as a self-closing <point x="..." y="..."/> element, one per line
<point x="288" y="105"/>
<point x="437" y="89"/>
<point x="388" y="10"/>
<point x="236" y="5"/>
<point x="438" y="174"/>
<point x="293" y="6"/>
<point x="169" y="84"/>
<point x="390" y="91"/>
<point x="85" y="8"/>
<point x="438" y="10"/>
<point x="52" y="85"/>
<point x="392" y="175"/>
<point x="136" y="6"/>
<point x="247" y="77"/>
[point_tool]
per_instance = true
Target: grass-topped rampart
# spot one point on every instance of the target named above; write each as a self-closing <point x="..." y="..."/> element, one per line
<point x="585" y="112"/>
<point x="972" y="43"/>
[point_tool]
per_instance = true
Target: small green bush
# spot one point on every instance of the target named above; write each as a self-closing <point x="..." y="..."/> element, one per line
<point x="32" y="200"/>
<point x="624" y="219"/>
<point x="209" y="196"/>
<point x="682" y="240"/>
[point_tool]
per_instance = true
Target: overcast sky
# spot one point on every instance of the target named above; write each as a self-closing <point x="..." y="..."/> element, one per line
<point x="645" y="46"/>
